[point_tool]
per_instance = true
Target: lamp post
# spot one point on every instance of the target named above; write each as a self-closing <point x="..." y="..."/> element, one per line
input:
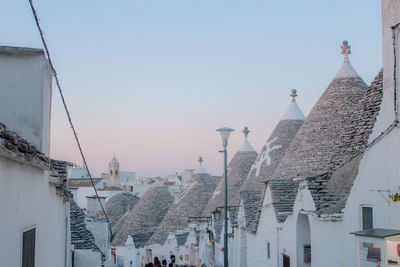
<point x="225" y="132"/>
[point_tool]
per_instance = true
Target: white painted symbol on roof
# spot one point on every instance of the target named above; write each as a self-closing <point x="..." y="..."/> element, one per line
<point x="265" y="155"/>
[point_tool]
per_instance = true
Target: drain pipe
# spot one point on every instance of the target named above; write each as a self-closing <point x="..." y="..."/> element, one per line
<point x="394" y="38"/>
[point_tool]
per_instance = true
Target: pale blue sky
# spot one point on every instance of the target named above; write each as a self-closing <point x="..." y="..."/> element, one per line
<point x="152" y="80"/>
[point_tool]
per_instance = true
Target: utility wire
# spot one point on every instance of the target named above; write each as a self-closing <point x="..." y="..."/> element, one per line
<point x="66" y="109"/>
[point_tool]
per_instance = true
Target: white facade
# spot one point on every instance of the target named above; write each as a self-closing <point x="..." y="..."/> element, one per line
<point x="86" y="258"/>
<point x="77" y="172"/>
<point x="132" y="256"/>
<point x="28" y="198"/>
<point x="251" y="248"/>
<point x="25" y="102"/>
<point x="101" y="233"/>
<point x="80" y="195"/>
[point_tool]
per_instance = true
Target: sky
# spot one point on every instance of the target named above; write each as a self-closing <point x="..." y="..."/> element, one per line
<point x="151" y="81"/>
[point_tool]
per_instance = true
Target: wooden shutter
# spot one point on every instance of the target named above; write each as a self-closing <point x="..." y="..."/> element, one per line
<point x="28" y="248"/>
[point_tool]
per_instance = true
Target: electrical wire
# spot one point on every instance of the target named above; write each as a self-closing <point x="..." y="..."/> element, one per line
<point x="66" y="109"/>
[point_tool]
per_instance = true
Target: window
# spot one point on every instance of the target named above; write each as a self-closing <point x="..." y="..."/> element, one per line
<point x="28" y="248"/>
<point x="307" y="253"/>
<point x="268" y="250"/>
<point x="367" y="218"/>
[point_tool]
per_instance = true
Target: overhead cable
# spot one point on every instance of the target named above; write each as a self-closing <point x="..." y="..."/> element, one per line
<point x="66" y="108"/>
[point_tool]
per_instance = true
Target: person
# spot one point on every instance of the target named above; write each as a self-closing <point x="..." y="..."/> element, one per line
<point x="157" y="262"/>
<point x="164" y="263"/>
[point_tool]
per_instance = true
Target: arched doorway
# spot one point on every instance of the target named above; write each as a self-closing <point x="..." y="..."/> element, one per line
<point x="303" y="241"/>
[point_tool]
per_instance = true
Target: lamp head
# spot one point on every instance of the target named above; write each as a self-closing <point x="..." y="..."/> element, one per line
<point x="225" y="132"/>
<point x="217" y="215"/>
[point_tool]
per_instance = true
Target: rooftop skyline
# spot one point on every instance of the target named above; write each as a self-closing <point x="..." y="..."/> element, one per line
<point x="151" y="81"/>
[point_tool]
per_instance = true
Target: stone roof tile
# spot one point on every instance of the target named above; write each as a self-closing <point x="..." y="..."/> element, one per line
<point x="119" y="205"/>
<point x="316" y="148"/>
<point x="330" y="190"/>
<point x="190" y="203"/>
<point x="14" y="147"/>
<point x="145" y="217"/>
<point x="81" y="237"/>
<point x="253" y="189"/>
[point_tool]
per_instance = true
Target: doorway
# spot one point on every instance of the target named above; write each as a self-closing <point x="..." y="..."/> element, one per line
<point x="286" y="260"/>
<point x="303" y="241"/>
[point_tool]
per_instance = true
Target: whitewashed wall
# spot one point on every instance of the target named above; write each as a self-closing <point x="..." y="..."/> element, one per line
<point x="287" y="235"/>
<point x="86" y="258"/>
<point x="130" y="253"/>
<point x="28" y="200"/>
<point x="379" y="170"/>
<point x="266" y="232"/>
<point x="81" y="193"/>
<point x="25" y="98"/>
<point x="380" y="166"/>
<point x="101" y="233"/>
<point x="390" y="17"/>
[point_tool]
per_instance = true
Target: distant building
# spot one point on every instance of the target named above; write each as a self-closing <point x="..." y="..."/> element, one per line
<point x="108" y="185"/>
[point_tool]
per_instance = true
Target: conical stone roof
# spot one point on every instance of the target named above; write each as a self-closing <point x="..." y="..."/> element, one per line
<point x="331" y="190"/>
<point x="316" y="147"/>
<point x="118" y="205"/>
<point x="190" y="203"/>
<point x="238" y="169"/>
<point x="252" y="191"/>
<point x="81" y="237"/>
<point x="145" y="217"/>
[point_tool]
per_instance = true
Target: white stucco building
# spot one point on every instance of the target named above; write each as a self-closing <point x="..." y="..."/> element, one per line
<point x="35" y="214"/>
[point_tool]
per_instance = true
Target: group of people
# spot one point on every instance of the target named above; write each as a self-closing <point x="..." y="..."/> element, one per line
<point x="163" y="263"/>
<point x="157" y="263"/>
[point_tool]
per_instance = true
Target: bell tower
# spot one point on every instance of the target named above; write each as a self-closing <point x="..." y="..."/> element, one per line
<point x="113" y="171"/>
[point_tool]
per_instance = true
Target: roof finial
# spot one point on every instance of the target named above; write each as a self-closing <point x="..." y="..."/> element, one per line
<point x="293" y="94"/>
<point x="246" y="131"/>
<point x="346" y="50"/>
<point x="201" y="159"/>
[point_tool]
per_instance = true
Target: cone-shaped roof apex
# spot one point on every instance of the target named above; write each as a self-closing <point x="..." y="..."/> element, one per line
<point x="347" y="69"/>
<point x="201" y="169"/>
<point x="293" y="112"/>
<point x="316" y="147"/>
<point x="246" y="145"/>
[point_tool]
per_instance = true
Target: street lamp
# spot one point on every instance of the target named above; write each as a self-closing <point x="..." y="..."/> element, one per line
<point x="217" y="215"/>
<point x="225" y="132"/>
